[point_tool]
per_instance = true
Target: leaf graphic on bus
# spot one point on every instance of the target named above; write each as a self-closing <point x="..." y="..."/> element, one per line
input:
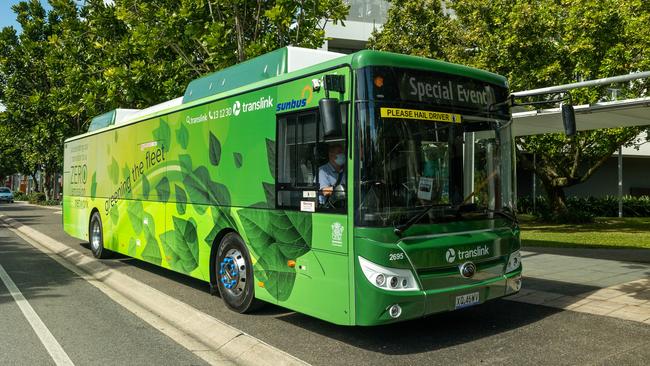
<point x="114" y="214"/>
<point x="114" y="171"/>
<point x="185" y="163"/>
<point x="270" y="153"/>
<point x="182" y="135"/>
<point x="293" y="232"/>
<point x="162" y="188"/>
<point x="286" y="280"/>
<point x="135" y="211"/>
<point x="114" y="242"/>
<point x="238" y="159"/>
<point x="256" y="228"/>
<point x="283" y="230"/>
<point x="302" y="224"/>
<point x="145" y="187"/>
<point x="93" y="186"/>
<point x="215" y="149"/>
<point x="221" y="219"/>
<point x="181" y="199"/>
<point x="200" y="209"/>
<point x="131" y="250"/>
<point x="197" y="191"/>
<point x="202" y="189"/>
<point x="151" y="251"/>
<point x="272" y="270"/>
<point x="219" y="193"/>
<point x="163" y="133"/>
<point x="269" y="192"/>
<point x="181" y="246"/>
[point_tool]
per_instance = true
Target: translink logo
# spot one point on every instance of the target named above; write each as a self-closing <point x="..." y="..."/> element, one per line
<point x="451" y="254"/>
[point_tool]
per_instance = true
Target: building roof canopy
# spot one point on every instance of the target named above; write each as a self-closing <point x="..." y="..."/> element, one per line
<point x="620" y="113"/>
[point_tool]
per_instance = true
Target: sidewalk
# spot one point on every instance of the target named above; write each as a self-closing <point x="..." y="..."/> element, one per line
<point x="615" y="288"/>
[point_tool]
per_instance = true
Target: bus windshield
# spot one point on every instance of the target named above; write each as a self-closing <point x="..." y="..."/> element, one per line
<point x="416" y="154"/>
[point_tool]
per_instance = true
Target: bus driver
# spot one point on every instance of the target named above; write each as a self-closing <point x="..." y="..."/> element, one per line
<point x="332" y="173"/>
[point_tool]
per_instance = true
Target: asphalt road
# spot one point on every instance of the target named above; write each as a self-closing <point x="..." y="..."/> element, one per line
<point x="502" y="332"/>
<point x="88" y="326"/>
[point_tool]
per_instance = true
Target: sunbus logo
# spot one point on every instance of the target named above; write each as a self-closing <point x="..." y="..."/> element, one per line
<point x="305" y="97"/>
<point x="285" y="106"/>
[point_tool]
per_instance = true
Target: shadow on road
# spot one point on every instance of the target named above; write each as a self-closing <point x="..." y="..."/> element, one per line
<point x="34" y="273"/>
<point x="421" y="335"/>
<point x="432" y="333"/>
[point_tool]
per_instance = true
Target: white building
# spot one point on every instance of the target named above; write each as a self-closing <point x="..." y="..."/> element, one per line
<point x="364" y="17"/>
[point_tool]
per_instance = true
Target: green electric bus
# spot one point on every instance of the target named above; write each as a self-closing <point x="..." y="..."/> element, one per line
<point x="360" y="189"/>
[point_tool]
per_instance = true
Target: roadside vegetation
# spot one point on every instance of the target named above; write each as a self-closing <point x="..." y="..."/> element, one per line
<point x="583" y="210"/>
<point x="74" y="60"/>
<point x="604" y="232"/>
<point x="538" y="44"/>
<point x="37" y="198"/>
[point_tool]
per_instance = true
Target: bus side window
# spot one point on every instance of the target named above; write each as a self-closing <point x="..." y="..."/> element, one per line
<point x="297" y="165"/>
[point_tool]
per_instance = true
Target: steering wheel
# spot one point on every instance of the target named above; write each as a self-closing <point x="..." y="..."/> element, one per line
<point x="338" y="194"/>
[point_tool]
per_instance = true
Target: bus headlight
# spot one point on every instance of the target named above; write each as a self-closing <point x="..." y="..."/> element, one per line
<point x="393" y="279"/>
<point x="514" y="261"/>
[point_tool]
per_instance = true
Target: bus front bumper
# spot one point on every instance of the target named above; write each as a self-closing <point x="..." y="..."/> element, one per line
<point x="417" y="304"/>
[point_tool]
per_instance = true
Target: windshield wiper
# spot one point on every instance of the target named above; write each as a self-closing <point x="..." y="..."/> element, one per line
<point x="457" y="210"/>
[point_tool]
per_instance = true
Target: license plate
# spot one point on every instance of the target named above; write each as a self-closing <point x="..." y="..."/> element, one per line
<point x="467" y="300"/>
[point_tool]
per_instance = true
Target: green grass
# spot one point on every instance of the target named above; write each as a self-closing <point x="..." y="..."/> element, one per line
<point x="605" y="232"/>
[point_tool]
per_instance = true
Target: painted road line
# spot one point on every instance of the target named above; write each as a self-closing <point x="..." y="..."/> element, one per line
<point x="51" y="345"/>
<point x="210" y="339"/>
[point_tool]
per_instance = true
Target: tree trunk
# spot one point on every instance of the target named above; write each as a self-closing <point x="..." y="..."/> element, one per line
<point x="33" y="174"/>
<point x="47" y="185"/>
<point x="239" y="31"/>
<point x="556" y="198"/>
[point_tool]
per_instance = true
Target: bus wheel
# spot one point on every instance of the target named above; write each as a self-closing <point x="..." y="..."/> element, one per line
<point x="234" y="273"/>
<point x="96" y="237"/>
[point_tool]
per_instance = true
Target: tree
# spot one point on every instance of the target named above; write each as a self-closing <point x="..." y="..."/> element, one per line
<point x="417" y="28"/>
<point x="77" y="61"/>
<point x="543" y="43"/>
<point x="172" y="42"/>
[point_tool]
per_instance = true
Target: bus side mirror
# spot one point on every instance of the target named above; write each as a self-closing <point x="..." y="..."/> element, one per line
<point x="568" y="119"/>
<point x="330" y="114"/>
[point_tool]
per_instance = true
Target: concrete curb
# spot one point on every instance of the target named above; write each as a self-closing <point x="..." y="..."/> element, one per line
<point x="210" y="339"/>
<point x="59" y="207"/>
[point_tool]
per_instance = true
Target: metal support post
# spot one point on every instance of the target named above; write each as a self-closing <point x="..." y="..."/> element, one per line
<point x="620" y="182"/>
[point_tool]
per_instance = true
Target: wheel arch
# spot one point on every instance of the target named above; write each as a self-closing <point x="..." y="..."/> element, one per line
<point x="90" y="217"/>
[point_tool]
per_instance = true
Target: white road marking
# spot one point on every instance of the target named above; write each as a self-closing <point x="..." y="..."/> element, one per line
<point x="51" y="345"/>
<point x="58" y="212"/>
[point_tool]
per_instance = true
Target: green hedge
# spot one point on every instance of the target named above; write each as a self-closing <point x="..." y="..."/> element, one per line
<point x="590" y="206"/>
<point x="36" y="197"/>
<point x="20" y="196"/>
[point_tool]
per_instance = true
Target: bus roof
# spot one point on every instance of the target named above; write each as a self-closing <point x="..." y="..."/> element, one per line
<point x="279" y="65"/>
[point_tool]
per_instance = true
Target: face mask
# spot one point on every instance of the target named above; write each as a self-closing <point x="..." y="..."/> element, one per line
<point x="340" y="159"/>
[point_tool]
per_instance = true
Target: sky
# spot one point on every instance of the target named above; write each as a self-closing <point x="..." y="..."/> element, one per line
<point x="8" y="17"/>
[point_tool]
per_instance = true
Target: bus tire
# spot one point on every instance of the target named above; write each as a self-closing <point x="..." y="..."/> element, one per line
<point x="96" y="237"/>
<point x="234" y="273"/>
